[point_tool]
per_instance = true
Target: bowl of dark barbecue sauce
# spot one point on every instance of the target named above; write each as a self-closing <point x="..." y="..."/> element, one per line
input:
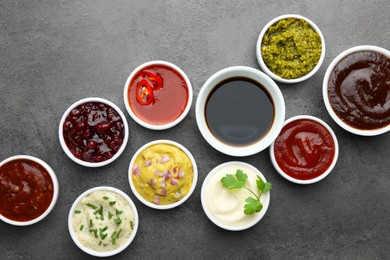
<point x="240" y="111"/>
<point x="356" y="90"/>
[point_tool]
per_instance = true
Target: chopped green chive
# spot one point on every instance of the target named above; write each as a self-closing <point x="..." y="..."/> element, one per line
<point x="77" y="212"/>
<point x="100" y="243"/>
<point x="118" y="212"/>
<point x="118" y="234"/>
<point x="105" y="197"/>
<point x="118" y="221"/>
<point x="112" y="203"/>
<point x="81" y="227"/>
<point x="90" y="223"/>
<point x="113" y="234"/>
<point x="104" y="236"/>
<point x="104" y="229"/>
<point x="110" y="215"/>
<point x="131" y="224"/>
<point x="95" y="233"/>
<point x="91" y="206"/>
<point x="113" y="241"/>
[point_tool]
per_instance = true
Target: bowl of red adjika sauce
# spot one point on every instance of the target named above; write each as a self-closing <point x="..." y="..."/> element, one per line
<point x="28" y="190"/>
<point x="158" y="95"/>
<point x="305" y="151"/>
<point x="356" y="90"/>
<point x="93" y="132"/>
<point x="240" y="111"/>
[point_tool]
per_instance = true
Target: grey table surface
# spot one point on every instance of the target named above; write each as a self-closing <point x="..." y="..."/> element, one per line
<point x="54" y="53"/>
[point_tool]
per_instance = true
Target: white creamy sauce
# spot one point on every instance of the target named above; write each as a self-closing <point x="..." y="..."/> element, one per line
<point x="108" y="219"/>
<point x="227" y="206"/>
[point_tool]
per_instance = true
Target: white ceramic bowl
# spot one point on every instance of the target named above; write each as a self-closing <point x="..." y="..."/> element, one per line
<point x="322" y="176"/>
<point x="168" y="206"/>
<point x="267" y="83"/>
<point x="65" y="147"/>
<point x="265" y="198"/>
<point x="260" y="56"/>
<point x="362" y="132"/>
<point x="55" y="190"/>
<point x="146" y="124"/>
<point x="117" y="250"/>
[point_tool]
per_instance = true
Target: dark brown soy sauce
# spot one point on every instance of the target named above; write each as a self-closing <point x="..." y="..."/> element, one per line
<point x="239" y="111"/>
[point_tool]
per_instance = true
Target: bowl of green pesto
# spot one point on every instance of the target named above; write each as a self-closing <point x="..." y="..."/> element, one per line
<point x="290" y="48"/>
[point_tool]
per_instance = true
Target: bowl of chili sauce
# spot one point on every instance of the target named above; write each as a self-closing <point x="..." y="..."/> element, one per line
<point x="158" y="95"/>
<point x="305" y="151"/>
<point x="93" y="132"/>
<point x="28" y="190"/>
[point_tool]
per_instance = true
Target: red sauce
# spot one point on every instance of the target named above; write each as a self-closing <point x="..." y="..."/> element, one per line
<point x="93" y="132"/>
<point x="304" y="149"/>
<point x="26" y="190"/>
<point x="158" y="94"/>
<point x="359" y="90"/>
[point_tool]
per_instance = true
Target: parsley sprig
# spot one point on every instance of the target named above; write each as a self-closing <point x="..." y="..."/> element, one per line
<point x="238" y="181"/>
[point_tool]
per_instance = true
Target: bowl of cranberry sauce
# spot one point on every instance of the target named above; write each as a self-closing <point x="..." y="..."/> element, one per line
<point x="305" y="151"/>
<point x="93" y="132"/>
<point x="158" y="95"/>
<point x="28" y="190"/>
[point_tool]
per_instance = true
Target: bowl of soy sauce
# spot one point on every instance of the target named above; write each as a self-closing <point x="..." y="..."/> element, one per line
<point x="240" y="111"/>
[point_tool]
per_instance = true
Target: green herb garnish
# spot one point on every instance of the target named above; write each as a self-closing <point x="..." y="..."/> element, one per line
<point x="91" y="206"/>
<point x="112" y="203"/>
<point x="253" y="205"/>
<point x="118" y="234"/>
<point x="100" y="243"/>
<point x="105" y="198"/>
<point x="110" y="215"/>
<point x="118" y="221"/>
<point x="90" y="223"/>
<point x="81" y="227"/>
<point x="118" y="212"/>
<point x="77" y="212"/>
<point x="131" y="224"/>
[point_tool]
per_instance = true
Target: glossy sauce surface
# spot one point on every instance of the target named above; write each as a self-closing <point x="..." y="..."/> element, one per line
<point x="26" y="190"/>
<point x="359" y="90"/>
<point x="239" y="111"/>
<point x="93" y="132"/>
<point x="164" y="94"/>
<point x="304" y="149"/>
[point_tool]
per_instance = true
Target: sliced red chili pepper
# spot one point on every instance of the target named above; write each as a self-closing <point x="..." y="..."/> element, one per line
<point x="144" y="93"/>
<point x="156" y="79"/>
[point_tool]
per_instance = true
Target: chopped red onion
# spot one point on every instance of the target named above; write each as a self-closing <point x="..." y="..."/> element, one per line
<point x="174" y="181"/>
<point x="165" y="158"/>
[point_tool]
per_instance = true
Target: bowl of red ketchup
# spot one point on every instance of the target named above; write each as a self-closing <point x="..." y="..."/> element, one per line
<point x="158" y="95"/>
<point x="28" y="190"/>
<point x="305" y="151"/>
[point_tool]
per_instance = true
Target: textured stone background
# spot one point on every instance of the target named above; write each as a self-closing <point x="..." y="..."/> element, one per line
<point x="53" y="53"/>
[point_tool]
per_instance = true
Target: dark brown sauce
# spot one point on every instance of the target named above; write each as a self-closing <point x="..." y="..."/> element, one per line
<point x="359" y="90"/>
<point x="239" y="111"/>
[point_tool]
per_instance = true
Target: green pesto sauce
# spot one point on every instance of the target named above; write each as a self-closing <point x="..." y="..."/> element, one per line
<point x="291" y="48"/>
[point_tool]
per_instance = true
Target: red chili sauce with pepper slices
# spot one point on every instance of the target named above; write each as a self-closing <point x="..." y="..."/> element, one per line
<point x="158" y="94"/>
<point x="359" y="90"/>
<point x="26" y="190"/>
<point x="304" y="149"/>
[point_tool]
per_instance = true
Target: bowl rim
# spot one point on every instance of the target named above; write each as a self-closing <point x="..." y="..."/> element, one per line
<point x="140" y="121"/>
<point x="323" y="175"/>
<point x="54" y="179"/>
<point x="333" y="64"/>
<point x="264" y="67"/>
<point x="267" y="83"/>
<point x="107" y="253"/>
<point x="65" y="147"/>
<point x="194" y="180"/>
<point x="260" y="215"/>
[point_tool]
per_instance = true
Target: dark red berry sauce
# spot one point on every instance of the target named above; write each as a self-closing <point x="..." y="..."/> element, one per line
<point x="93" y="132"/>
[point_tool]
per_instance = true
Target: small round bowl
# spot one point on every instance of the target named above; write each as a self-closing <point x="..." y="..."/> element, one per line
<point x="254" y="219"/>
<point x="267" y="83"/>
<point x="65" y="147"/>
<point x="167" y="206"/>
<point x="333" y="64"/>
<point x="323" y="175"/>
<point x="55" y="190"/>
<point x="107" y="253"/>
<point x="139" y="120"/>
<point x="264" y="67"/>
